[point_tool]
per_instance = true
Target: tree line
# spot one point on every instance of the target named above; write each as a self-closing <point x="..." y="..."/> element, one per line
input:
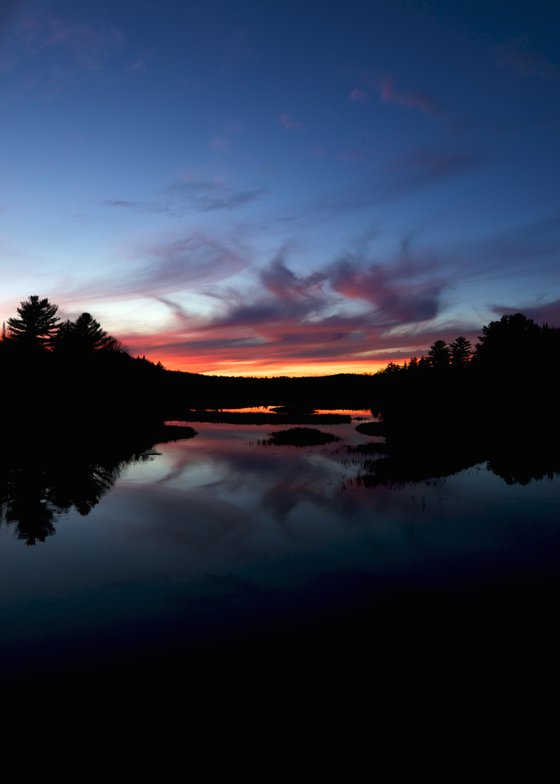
<point x="58" y="372"/>
<point x="515" y="341"/>
<point x="508" y="376"/>
<point x="37" y="326"/>
<point x="50" y="366"/>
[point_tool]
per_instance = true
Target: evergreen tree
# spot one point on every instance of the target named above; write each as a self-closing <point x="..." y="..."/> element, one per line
<point x="510" y="342"/>
<point x="35" y="324"/>
<point x="461" y="352"/>
<point x="439" y="354"/>
<point x="83" y="337"/>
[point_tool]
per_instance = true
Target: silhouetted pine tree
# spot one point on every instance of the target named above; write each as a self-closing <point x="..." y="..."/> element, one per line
<point x="35" y="324"/>
<point x="83" y="337"/>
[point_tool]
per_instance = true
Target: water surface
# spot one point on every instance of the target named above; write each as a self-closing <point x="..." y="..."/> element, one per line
<point x="226" y="533"/>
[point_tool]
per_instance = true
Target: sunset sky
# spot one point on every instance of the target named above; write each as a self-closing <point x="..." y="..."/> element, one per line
<point x="265" y="187"/>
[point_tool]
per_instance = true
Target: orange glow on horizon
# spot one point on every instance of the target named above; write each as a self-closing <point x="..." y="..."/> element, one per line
<point x="263" y="369"/>
<point x="261" y="360"/>
<point x="218" y="352"/>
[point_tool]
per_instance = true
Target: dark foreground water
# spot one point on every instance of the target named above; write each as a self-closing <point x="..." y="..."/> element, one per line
<point x="227" y="548"/>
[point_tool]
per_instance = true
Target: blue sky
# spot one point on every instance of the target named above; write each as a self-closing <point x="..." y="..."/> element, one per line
<point x="280" y="187"/>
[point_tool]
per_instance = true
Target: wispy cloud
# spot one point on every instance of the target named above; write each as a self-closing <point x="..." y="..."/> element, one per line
<point x="526" y="250"/>
<point x="51" y="52"/>
<point x="359" y="96"/>
<point x="541" y="312"/>
<point x="410" y="173"/>
<point x="209" y="195"/>
<point x="88" y="46"/>
<point x="344" y="312"/>
<point x="137" y="66"/>
<point x="402" y="293"/>
<point x="287" y="121"/>
<point x="159" y="269"/>
<point x="356" y="312"/>
<point x="411" y="100"/>
<point x="126" y="203"/>
<point x="220" y="142"/>
<point x="189" y="195"/>
<point x="515" y="56"/>
<point x="287" y="286"/>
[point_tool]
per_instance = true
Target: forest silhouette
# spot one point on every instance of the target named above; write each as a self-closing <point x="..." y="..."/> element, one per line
<point x="50" y="366"/>
<point x="461" y="405"/>
<point x="455" y="406"/>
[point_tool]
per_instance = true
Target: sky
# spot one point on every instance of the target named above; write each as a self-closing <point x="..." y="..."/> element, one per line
<point x="281" y="188"/>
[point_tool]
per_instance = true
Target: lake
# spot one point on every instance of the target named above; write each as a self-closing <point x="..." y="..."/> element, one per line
<point x="226" y="539"/>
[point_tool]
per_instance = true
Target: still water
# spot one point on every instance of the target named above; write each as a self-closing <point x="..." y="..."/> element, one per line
<point x="224" y="533"/>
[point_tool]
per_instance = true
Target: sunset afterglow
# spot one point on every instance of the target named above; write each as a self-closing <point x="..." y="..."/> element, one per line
<point x="276" y="188"/>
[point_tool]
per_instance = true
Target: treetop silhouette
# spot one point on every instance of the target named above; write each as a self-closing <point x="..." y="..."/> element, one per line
<point x="509" y="341"/>
<point x="35" y="324"/>
<point x="84" y="336"/>
<point x="38" y="326"/>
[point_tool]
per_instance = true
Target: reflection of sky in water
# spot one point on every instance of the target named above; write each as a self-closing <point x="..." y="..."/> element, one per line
<point x="223" y="525"/>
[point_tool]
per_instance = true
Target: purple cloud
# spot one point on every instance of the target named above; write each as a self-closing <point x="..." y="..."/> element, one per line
<point x="522" y="250"/>
<point x="428" y="166"/>
<point x="208" y="195"/>
<point x="548" y="312"/>
<point x="402" y="293"/>
<point x="411" y="100"/>
<point x="89" y="46"/>
<point x="285" y="285"/>
<point x="186" y="195"/>
<point x="525" y="62"/>
<point x="358" y="96"/>
<point x="405" y="175"/>
<point x="302" y="317"/>
<point x="194" y="259"/>
<point x="187" y="263"/>
<point x="287" y="121"/>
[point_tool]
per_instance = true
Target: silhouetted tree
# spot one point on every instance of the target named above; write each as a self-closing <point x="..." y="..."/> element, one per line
<point x="413" y="364"/>
<point x="461" y="351"/>
<point x="392" y="367"/>
<point x="439" y="354"/>
<point x="508" y="342"/>
<point x="84" y="336"/>
<point x="35" y="324"/>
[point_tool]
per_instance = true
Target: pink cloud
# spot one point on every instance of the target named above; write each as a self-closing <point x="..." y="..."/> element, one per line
<point x="287" y="121"/>
<point x="287" y="286"/>
<point x="358" y="96"/>
<point x="405" y="292"/>
<point x="301" y="320"/>
<point x="411" y="100"/>
<point x="267" y="345"/>
<point x="338" y="318"/>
